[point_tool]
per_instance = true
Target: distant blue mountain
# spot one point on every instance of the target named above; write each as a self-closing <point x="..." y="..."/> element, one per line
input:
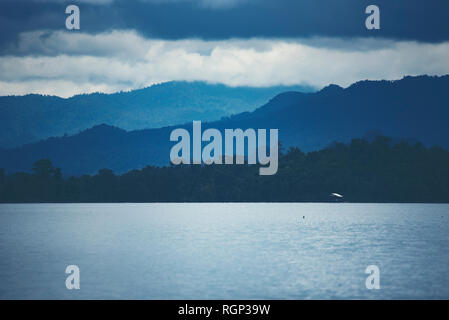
<point x="30" y="118"/>
<point x="414" y="108"/>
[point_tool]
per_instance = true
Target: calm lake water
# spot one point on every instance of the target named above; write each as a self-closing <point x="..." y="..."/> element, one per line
<point x="224" y="251"/>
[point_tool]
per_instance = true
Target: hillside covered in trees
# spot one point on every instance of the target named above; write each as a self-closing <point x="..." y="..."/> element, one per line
<point x="413" y="108"/>
<point x="31" y="118"/>
<point x="377" y="171"/>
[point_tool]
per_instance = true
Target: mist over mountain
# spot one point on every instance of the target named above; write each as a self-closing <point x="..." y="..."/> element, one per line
<point x="30" y="118"/>
<point x="414" y="108"/>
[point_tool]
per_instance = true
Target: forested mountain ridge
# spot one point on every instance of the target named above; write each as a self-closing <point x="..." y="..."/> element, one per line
<point x="414" y="108"/>
<point x="30" y="118"/>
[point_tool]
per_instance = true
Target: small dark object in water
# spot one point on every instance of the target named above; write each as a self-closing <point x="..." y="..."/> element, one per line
<point x="303" y="217"/>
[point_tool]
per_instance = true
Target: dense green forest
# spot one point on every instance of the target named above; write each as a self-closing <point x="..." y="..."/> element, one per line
<point x="376" y="171"/>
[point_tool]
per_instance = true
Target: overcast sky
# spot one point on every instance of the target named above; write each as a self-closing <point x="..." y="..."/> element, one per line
<point x="130" y="44"/>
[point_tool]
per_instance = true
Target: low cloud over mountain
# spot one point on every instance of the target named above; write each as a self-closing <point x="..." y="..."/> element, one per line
<point x="63" y="63"/>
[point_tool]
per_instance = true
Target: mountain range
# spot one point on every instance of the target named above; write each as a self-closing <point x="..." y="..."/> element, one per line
<point x="31" y="118"/>
<point x="413" y="108"/>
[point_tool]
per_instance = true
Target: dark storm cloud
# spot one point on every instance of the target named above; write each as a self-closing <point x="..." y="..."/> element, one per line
<point x="124" y="45"/>
<point x="222" y="19"/>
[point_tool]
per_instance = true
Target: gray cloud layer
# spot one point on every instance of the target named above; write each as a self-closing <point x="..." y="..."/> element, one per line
<point x="64" y="63"/>
<point x="224" y="19"/>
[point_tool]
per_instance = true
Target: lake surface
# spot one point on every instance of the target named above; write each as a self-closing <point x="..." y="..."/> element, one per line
<point x="224" y="251"/>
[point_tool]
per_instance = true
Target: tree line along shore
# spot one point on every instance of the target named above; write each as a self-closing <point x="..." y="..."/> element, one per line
<point x="363" y="171"/>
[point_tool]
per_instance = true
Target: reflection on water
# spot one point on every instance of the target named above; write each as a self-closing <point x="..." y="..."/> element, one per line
<point x="224" y="251"/>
